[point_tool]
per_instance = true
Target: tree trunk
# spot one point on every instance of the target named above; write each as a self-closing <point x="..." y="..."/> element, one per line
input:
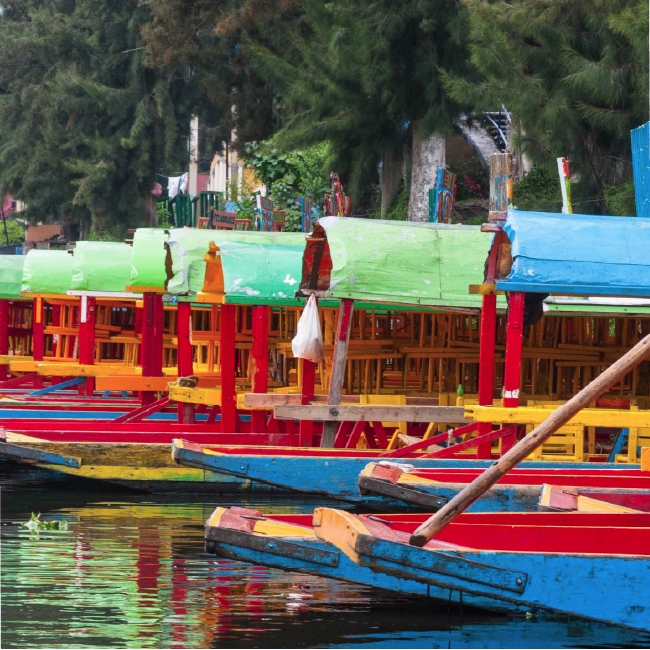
<point x="149" y="210"/>
<point x="428" y="155"/>
<point x="391" y="177"/>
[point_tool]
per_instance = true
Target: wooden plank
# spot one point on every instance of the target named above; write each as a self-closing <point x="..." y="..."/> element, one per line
<point x="373" y="413"/>
<point x="132" y="382"/>
<point x="8" y="358"/>
<point x="210" y="396"/>
<point x="80" y="370"/>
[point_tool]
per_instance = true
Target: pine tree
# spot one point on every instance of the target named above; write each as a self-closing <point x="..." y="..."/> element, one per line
<point x="87" y="119"/>
<point x="575" y="72"/>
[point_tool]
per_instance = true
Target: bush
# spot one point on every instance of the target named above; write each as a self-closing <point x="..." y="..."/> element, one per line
<point x="14" y="233"/>
<point x="538" y="190"/>
<point x="620" y="199"/>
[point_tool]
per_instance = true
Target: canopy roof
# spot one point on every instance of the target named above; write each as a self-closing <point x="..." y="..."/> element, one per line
<point x="101" y="266"/>
<point x="395" y="262"/>
<point x="187" y="248"/>
<point x="578" y="254"/>
<point x="11" y="275"/>
<point x="47" y="272"/>
<point x="148" y="260"/>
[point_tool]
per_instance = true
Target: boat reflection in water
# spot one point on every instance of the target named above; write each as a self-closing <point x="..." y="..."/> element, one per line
<point x="132" y="573"/>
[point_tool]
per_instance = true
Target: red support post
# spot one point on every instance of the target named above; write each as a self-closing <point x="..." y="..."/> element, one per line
<point x="228" y="369"/>
<point x="260" y="355"/>
<point x="306" y="435"/>
<point x="38" y="327"/>
<point x="87" y="319"/>
<point x="4" y="336"/>
<point x="514" y="343"/>
<point x="185" y="356"/>
<point x="153" y="318"/>
<point x="486" y="366"/>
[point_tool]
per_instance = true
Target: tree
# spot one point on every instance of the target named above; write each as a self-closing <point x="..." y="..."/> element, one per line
<point x="574" y="71"/>
<point x="87" y="118"/>
<point x="14" y="232"/>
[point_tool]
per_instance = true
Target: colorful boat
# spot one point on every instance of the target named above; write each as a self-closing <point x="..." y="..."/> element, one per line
<point x="565" y="563"/>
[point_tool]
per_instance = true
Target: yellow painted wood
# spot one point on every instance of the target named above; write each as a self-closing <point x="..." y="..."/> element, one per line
<point x="209" y="396"/>
<point x="125" y="473"/>
<point x="281" y="529"/>
<point x="587" y="417"/>
<point x="23" y="366"/>
<point x="340" y="529"/>
<point x="215" y="517"/>
<point x="645" y="459"/>
<point x="80" y="370"/>
<point x="8" y="358"/>
<point x="587" y="504"/>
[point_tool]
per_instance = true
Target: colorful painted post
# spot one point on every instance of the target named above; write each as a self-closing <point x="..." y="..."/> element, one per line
<point x="153" y="318"/>
<point x="228" y="369"/>
<point x="38" y="327"/>
<point x="338" y="366"/>
<point x="4" y="336"/>
<point x="565" y="185"/>
<point x="87" y="311"/>
<point x="185" y="357"/>
<point x="306" y="434"/>
<point x="514" y="343"/>
<point x="260" y="354"/>
<point x="486" y="366"/>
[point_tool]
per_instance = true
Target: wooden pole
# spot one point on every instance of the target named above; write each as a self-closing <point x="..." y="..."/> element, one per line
<point x="525" y="447"/>
<point x="306" y="435"/>
<point x="4" y="336"/>
<point x="514" y="343"/>
<point x="227" y="356"/>
<point x="87" y="310"/>
<point x="260" y="354"/>
<point x="486" y="366"/>
<point x="338" y="366"/>
<point x="38" y="334"/>
<point x="184" y="358"/>
<point x="153" y="318"/>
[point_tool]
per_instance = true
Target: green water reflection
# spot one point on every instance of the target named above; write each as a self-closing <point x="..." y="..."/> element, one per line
<point x="130" y="572"/>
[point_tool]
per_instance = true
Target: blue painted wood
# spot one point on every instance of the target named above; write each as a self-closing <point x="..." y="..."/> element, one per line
<point x="8" y="450"/>
<point x="55" y="387"/>
<point x="337" y="477"/>
<point x="641" y="168"/>
<point x="621" y="439"/>
<point x="36" y="414"/>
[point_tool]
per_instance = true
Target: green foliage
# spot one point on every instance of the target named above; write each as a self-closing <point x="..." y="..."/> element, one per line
<point x="14" y="231"/>
<point x="399" y="208"/>
<point x="620" y="199"/>
<point x="538" y="190"/>
<point x="162" y="212"/>
<point x="36" y="524"/>
<point x="300" y="173"/>
<point x="102" y="235"/>
<point x="574" y="72"/>
<point x="87" y="118"/>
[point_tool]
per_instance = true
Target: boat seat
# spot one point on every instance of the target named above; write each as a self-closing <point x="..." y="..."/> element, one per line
<point x="567" y="444"/>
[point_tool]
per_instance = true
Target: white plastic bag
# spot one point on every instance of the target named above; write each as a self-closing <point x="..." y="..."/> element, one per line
<point x="308" y="341"/>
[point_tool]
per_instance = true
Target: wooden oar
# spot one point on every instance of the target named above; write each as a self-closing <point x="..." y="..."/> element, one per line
<point x="525" y="447"/>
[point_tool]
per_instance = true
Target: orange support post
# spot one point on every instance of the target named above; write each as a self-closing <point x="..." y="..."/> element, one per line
<point x="486" y="367"/>
<point x="514" y="343"/>
<point x="260" y="354"/>
<point x="228" y="369"/>
<point x="152" y="340"/>
<point x="87" y="340"/>
<point x="185" y="354"/>
<point x="4" y="336"/>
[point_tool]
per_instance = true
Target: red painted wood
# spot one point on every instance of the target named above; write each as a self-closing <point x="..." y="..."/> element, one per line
<point x="4" y="335"/>
<point x="486" y="367"/>
<point x="185" y="356"/>
<point x="260" y="356"/>
<point x="152" y="340"/>
<point x="308" y="389"/>
<point x="144" y="412"/>
<point x="228" y="369"/>
<point x="423" y="444"/>
<point x="450" y="452"/>
<point x="514" y="343"/>
<point x="346" y="316"/>
<point x="38" y="336"/>
<point x="87" y="317"/>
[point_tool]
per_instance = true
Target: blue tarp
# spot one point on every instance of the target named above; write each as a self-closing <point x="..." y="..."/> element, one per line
<point x="578" y="254"/>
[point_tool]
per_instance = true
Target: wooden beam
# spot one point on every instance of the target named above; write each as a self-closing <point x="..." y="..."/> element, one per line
<point x="260" y="358"/>
<point x="339" y="362"/>
<point x="228" y="368"/>
<point x="4" y="336"/>
<point x="185" y="353"/>
<point x="514" y="343"/>
<point x="372" y="413"/>
<point x="38" y="335"/>
<point x="133" y="383"/>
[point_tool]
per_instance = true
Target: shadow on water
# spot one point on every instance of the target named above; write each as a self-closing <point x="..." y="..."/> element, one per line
<point x="130" y="572"/>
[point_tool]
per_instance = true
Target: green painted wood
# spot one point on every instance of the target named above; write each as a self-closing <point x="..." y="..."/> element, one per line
<point x="11" y="275"/>
<point x="101" y="266"/>
<point x="47" y="271"/>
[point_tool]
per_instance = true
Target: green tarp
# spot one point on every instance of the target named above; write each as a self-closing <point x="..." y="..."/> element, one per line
<point x="148" y="260"/>
<point x="47" y="271"/>
<point x="11" y="275"/>
<point x="188" y="247"/>
<point x="101" y="266"/>
<point x="426" y="265"/>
